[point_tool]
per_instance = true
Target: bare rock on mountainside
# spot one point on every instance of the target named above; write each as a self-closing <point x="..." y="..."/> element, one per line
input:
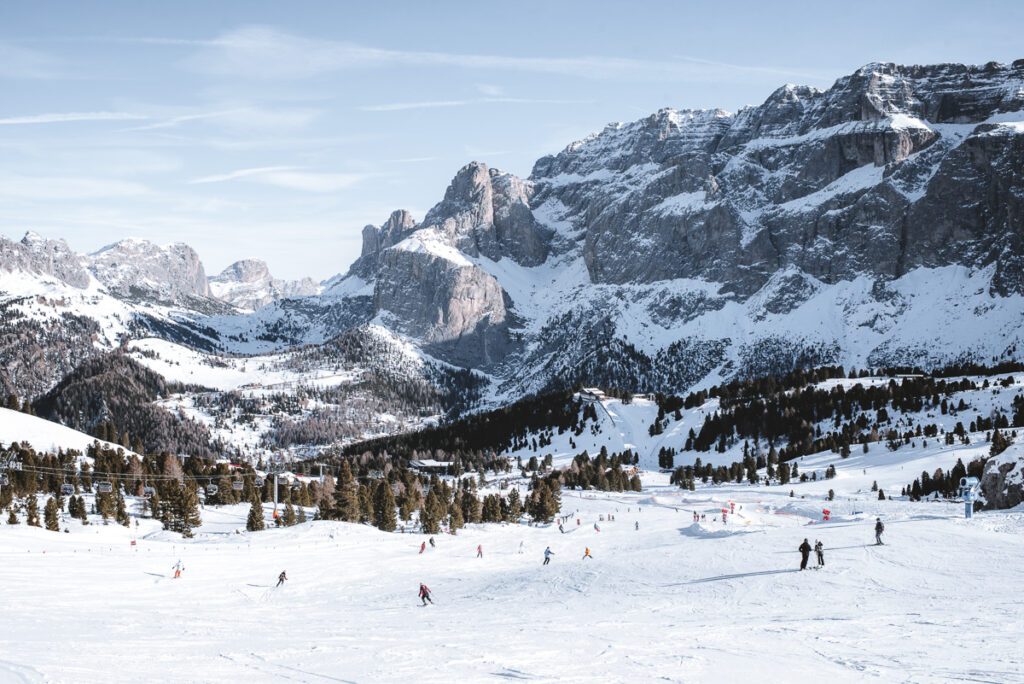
<point x="249" y="285"/>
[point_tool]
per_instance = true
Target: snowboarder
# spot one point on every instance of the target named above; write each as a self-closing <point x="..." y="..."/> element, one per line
<point x="521" y="546"/>
<point x="596" y="528"/>
<point x="879" y="529"/>
<point x="560" y="528"/>
<point x="432" y="544"/>
<point x="425" y="594"/>
<point x="479" y="550"/>
<point x="548" y="553"/>
<point x="586" y="554"/>
<point x="281" y="578"/>
<point x="805" y="553"/>
<point x="423" y="547"/>
<point x="178" y="569"/>
<point x="819" y="549"/>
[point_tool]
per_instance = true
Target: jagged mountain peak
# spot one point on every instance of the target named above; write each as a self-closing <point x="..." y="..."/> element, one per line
<point x="248" y="285"/>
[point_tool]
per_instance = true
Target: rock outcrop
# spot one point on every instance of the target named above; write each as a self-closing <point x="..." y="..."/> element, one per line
<point x="248" y="285"/>
<point x="1002" y="484"/>
<point x="36" y="255"/>
<point x="140" y="269"/>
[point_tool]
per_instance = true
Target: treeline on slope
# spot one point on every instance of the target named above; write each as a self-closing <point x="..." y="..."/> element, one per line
<point x="791" y="415"/>
<point x="370" y="489"/>
<point x="114" y="392"/>
<point x="35" y="354"/>
<point x="392" y="376"/>
<point x="502" y="429"/>
<point x="172" y="490"/>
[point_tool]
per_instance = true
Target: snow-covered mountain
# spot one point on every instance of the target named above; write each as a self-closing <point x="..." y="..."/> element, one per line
<point x="878" y="222"/>
<point x="248" y="285"/>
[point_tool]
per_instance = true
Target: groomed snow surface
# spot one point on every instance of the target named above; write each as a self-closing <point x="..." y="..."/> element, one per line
<point x="672" y="601"/>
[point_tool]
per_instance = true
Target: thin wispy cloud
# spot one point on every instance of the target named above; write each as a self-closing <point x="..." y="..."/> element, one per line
<point x="242" y="118"/>
<point x="261" y="52"/>
<point x="287" y="177"/>
<point x="434" y="104"/>
<point x="69" y="117"/>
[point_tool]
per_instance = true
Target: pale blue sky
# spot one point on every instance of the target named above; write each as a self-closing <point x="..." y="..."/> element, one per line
<point x="277" y="130"/>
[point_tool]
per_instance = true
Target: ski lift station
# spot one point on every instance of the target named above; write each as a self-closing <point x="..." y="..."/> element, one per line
<point x="429" y="465"/>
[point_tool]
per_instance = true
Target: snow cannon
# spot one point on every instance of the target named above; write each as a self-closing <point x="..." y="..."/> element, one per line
<point x="969" y="493"/>
<point x="826" y="514"/>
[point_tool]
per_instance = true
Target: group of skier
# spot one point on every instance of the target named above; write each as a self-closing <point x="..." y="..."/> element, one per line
<point x="819" y="548"/>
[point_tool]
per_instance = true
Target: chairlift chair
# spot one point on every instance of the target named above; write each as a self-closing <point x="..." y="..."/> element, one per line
<point x="211" y="490"/>
<point x="67" y="490"/>
<point x="4" y="480"/>
<point x="258" y="482"/>
<point x="104" y="487"/>
<point x="238" y="485"/>
<point x="148" y="492"/>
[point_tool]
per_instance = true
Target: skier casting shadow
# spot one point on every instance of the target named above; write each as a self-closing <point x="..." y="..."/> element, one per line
<point x="280" y="579"/>
<point x="805" y="554"/>
<point x="425" y="594"/>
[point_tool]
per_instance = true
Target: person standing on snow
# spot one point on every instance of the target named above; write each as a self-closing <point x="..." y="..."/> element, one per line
<point x="560" y="528"/>
<point x="425" y="594"/>
<point x="548" y="553"/>
<point x="178" y="569"/>
<point x="636" y="526"/>
<point x="432" y="544"/>
<point x="521" y="546"/>
<point x="879" y="529"/>
<point x="479" y="550"/>
<point x="586" y="554"/>
<point x="596" y="528"/>
<point x="281" y="578"/>
<point x="805" y="553"/>
<point x="819" y="549"/>
<point x="423" y="547"/>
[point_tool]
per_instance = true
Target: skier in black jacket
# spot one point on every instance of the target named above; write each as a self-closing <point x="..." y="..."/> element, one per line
<point x="805" y="553"/>
<point x="879" y="529"/>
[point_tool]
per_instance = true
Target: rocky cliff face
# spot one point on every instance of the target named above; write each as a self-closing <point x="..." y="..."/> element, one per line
<point x="139" y="269"/>
<point x="36" y="255"/>
<point x="248" y="285"/>
<point x="706" y="235"/>
<point x="858" y="179"/>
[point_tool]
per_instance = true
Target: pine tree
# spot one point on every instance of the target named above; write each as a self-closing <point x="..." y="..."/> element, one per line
<point x="12" y="517"/>
<point x="455" y="520"/>
<point x="428" y="521"/>
<point x="255" y="521"/>
<point x="50" y="515"/>
<point x="289" y="514"/>
<point x="999" y="444"/>
<point x="182" y="510"/>
<point x="32" y="510"/>
<point x="384" y="507"/>
<point x="301" y="514"/>
<point x="515" y="505"/>
<point x="121" y="510"/>
<point x="346" y="496"/>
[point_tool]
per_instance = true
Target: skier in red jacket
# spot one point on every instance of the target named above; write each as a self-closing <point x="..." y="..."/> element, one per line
<point x="425" y="594"/>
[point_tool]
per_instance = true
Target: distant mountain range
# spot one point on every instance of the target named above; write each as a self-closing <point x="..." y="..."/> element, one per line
<point x="879" y="222"/>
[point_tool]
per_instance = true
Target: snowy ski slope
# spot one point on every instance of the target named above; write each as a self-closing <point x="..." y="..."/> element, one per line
<point x="672" y="601"/>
